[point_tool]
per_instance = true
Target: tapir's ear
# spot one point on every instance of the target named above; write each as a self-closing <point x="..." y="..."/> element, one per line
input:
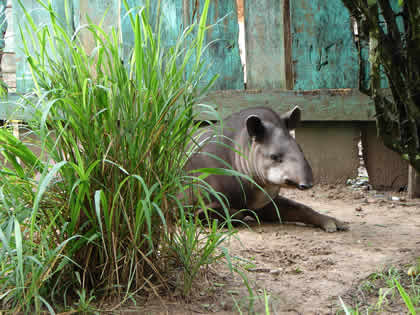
<point x="255" y="127"/>
<point x="292" y="118"/>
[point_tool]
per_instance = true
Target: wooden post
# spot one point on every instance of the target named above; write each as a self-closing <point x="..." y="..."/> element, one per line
<point x="413" y="183"/>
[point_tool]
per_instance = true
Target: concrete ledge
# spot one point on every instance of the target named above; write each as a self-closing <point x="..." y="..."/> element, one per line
<point x="331" y="150"/>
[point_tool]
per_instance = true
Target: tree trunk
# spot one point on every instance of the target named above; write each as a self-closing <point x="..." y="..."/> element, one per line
<point x="395" y="48"/>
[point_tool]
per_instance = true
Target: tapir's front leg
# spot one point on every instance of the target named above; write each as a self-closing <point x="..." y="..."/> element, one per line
<point x="292" y="211"/>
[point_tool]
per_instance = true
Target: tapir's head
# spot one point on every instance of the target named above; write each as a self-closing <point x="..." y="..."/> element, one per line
<point x="276" y="157"/>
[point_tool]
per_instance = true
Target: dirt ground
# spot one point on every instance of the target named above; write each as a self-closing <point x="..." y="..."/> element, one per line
<point x="304" y="269"/>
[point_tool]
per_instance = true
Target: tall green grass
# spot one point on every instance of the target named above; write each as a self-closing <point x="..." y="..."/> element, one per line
<point x="97" y="213"/>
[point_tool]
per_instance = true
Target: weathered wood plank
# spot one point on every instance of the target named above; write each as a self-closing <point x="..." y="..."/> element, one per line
<point x="317" y="105"/>
<point x="324" y="52"/>
<point x="171" y="21"/>
<point x="288" y="45"/>
<point x="40" y="16"/>
<point x="10" y="109"/>
<point x="222" y="39"/>
<point x="96" y="10"/>
<point x="23" y="74"/>
<point x="3" y="23"/>
<point x="265" y="51"/>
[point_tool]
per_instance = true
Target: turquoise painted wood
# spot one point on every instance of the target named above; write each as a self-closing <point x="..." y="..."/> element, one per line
<point x="316" y="105"/>
<point x="23" y="74"/>
<point x="171" y="21"/>
<point x="322" y="59"/>
<point x="323" y="50"/>
<point x="3" y="23"/>
<point x="264" y="42"/>
<point x="222" y="38"/>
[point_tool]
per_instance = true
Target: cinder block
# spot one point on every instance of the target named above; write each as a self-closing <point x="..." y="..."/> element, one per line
<point x="386" y="169"/>
<point x="331" y="149"/>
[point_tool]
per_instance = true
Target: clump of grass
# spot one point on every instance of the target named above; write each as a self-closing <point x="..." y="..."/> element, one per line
<point x="97" y="214"/>
<point x="391" y="288"/>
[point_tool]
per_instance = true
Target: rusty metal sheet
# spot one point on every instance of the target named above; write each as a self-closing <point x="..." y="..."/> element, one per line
<point x="323" y="48"/>
<point x="317" y="105"/>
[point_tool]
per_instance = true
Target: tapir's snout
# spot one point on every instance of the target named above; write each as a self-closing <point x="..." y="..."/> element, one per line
<point x="305" y="186"/>
<point x="300" y="186"/>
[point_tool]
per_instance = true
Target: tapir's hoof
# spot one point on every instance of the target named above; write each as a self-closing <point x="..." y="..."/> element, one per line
<point x="333" y="225"/>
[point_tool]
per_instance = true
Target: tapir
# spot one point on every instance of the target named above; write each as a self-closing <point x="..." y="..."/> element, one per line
<point x="257" y="142"/>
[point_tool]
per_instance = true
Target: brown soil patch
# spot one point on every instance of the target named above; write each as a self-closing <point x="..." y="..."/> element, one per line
<point x="304" y="269"/>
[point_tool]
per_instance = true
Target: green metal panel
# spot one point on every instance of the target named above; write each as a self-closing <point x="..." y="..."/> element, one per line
<point x="316" y="105"/>
<point x="222" y="39"/>
<point x="265" y="52"/>
<point x="323" y="49"/>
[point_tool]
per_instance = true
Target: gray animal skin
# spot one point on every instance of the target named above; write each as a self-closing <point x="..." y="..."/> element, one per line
<point x="270" y="156"/>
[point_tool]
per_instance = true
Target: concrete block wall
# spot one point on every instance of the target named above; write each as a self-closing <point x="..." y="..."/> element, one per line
<point x="331" y="149"/>
<point x="386" y="169"/>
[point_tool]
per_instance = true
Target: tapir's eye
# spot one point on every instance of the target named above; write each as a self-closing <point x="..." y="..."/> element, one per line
<point x="276" y="157"/>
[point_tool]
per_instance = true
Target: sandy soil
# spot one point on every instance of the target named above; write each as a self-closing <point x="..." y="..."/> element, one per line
<point x="305" y="269"/>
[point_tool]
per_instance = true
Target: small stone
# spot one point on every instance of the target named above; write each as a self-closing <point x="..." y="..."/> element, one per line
<point x="262" y="270"/>
<point x="358" y="195"/>
<point x="412" y="271"/>
<point x="392" y="206"/>
<point x="382" y="202"/>
<point x="359" y="209"/>
<point x="366" y="188"/>
<point x="276" y="271"/>
<point x="366" y="200"/>
<point x="402" y="199"/>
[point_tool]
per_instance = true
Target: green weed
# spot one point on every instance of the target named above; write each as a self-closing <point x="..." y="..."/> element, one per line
<point x="391" y="287"/>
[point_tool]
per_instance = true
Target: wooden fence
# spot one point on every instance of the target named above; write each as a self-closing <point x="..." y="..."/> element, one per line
<point x="298" y="52"/>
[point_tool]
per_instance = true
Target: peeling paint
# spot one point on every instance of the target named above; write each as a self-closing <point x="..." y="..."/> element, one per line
<point x="265" y="52"/>
<point x="323" y="50"/>
<point x="223" y="52"/>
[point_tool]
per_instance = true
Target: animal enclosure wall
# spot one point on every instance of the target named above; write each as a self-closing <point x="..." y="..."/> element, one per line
<point x="297" y="52"/>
